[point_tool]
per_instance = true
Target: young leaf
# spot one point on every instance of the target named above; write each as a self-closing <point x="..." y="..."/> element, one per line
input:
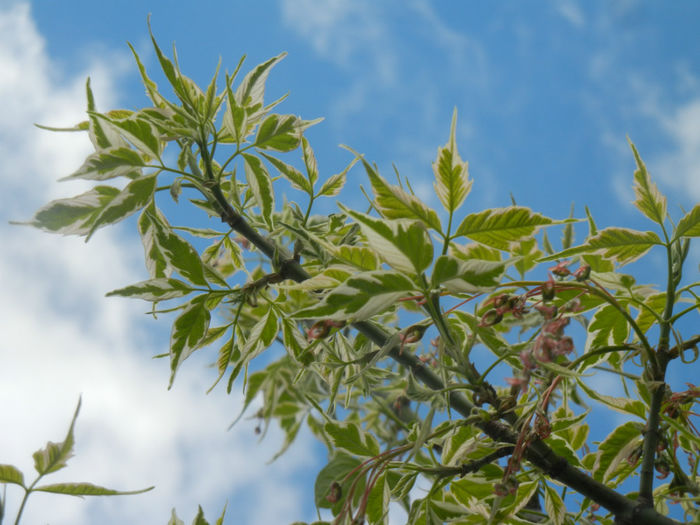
<point x="199" y="518"/>
<point x="55" y="456"/>
<point x="102" y="137"/>
<point x="138" y="131"/>
<point x="360" y="297"/>
<point x="293" y="175"/>
<point x="452" y="183"/>
<point x="395" y="203"/>
<point x="309" y="161"/>
<point x="648" y="198"/>
<point x="554" y="505"/>
<point x="174" y="520"/>
<point x="251" y="91"/>
<point x="188" y="331"/>
<point x="624" y="405"/>
<point x="260" y="182"/>
<point x="86" y="489"/>
<point x="333" y="185"/>
<point x="498" y="227"/>
<point x="11" y="474"/>
<point x="616" y="448"/>
<point x="689" y="225"/>
<point x="74" y="216"/>
<point x="179" y="254"/>
<point x="351" y="438"/>
<point x="109" y="163"/>
<point x="404" y="245"/>
<point x="470" y="276"/>
<point x="132" y="198"/>
<point x="279" y="133"/>
<point x="156" y="261"/>
<point x="159" y="289"/>
<point x="620" y="244"/>
<point x="607" y="328"/>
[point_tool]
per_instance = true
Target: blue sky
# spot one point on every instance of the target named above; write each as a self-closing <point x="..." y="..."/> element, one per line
<point x="546" y="94"/>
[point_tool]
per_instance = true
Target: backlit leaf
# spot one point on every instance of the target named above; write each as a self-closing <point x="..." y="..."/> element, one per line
<point x="293" y="175"/>
<point x="624" y="405"/>
<point x="109" y="163"/>
<point x="404" y="245"/>
<point x="160" y="289"/>
<point x="179" y="254"/>
<point x="279" y="133"/>
<point x="54" y="456"/>
<point x="188" y="330"/>
<point x="333" y="185"/>
<point x="689" y="225"/>
<point x="351" y="438"/>
<point x="616" y="448"/>
<point x="470" y="276"/>
<point x="648" y="198"/>
<point x="554" y="505"/>
<point x="131" y="199"/>
<point x="260" y="182"/>
<point x="139" y="132"/>
<point x="11" y="474"/>
<point x="360" y="297"/>
<point x="452" y="183"/>
<point x="498" y="227"/>
<point x="620" y="244"/>
<point x="607" y="328"/>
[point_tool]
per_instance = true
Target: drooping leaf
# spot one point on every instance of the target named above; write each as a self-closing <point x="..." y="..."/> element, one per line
<point x="279" y="133"/>
<point x="378" y="501"/>
<point x="74" y="216"/>
<point x="156" y="261"/>
<point x="131" y="199"/>
<point x="360" y="297"/>
<point x="620" y="244"/>
<point x="109" y="163"/>
<point x="470" y="276"/>
<point x="159" y="289"/>
<point x="498" y="227"/>
<point x="554" y="505"/>
<point x="55" y="456"/>
<point x="188" y="330"/>
<point x="689" y="225"/>
<point x="138" y="131"/>
<point x="402" y="244"/>
<point x="260" y="182"/>
<point x="452" y="183"/>
<point x="351" y="438"/>
<point x="86" y="489"/>
<point x="11" y="474"/>
<point x="648" y="197"/>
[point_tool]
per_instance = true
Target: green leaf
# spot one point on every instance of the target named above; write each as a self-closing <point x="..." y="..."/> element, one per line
<point x="360" y="297"/>
<point x="470" y="276"/>
<point x="174" y="520"/>
<point x="648" y="198"/>
<point x="102" y="137"/>
<point x="74" y="216"/>
<point x="335" y="471"/>
<point x="554" y="505"/>
<point x="86" y="489"/>
<point x="159" y="289"/>
<point x="251" y="91"/>
<point x="309" y="161"/>
<point x="279" y="133"/>
<point x="616" y="448"/>
<point x="656" y="303"/>
<point x="395" y="203"/>
<point x="260" y="183"/>
<point x="188" y="330"/>
<point x="138" y="131"/>
<point x="452" y="183"/>
<point x="11" y="474"/>
<point x="293" y="175"/>
<point x="358" y="256"/>
<point x="132" y="198"/>
<point x="148" y="227"/>
<point x="199" y="518"/>
<point x="179" y="254"/>
<point x="351" y="438"/>
<point x="109" y="163"/>
<point x="634" y="407"/>
<point x="498" y="227"/>
<point x="378" y="501"/>
<point x="55" y="456"/>
<point x="404" y="245"/>
<point x="689" y="225"/>
<point x="333" y="185"/>
<point x="607" y="328"/>
<point x="620" y="244"/>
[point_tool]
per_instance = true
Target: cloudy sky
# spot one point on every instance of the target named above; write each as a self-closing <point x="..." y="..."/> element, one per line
<point x="546" y="93"/>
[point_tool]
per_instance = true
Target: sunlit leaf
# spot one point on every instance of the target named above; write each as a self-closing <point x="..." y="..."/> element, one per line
<point x="11" y="474"/>
<point x="554" y="505"/>
<point x="608" y="327"/>
<point x="470" y="276"/>
<point x="498" y="227"/>
<point x="260" y="182"/>
<point x="294" y="176"/>
<point x="452" y="183"/>
<point x="188" y="330"/>
<point x="404" y="245"/>
<point x="616" y="447"/>
<point x="109" y="163"/>
<point x="624" y="405"/>
<point x="309" y="161"/>
<point x="689" y="225"/>
<point x="360" y="297"/>
<point x="620" y="244"/>
<point x="159" y="289"/>
<point x="648" y="198"/>
<point x="139" y="132"/>
<point x="279" y="133"/>
<point x="351" y="438"/>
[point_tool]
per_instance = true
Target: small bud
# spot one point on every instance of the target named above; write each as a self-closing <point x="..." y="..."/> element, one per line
<point x="548" y="290"/>
<point x="334" y="493"/>
<point x="583" y="272"/>
<point x="561" y="270"/>
<point x="491" y="318"/>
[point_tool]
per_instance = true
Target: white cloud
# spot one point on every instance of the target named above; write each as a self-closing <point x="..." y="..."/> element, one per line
<point x="62" y="338"/>
<point x="571" y="12"/>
